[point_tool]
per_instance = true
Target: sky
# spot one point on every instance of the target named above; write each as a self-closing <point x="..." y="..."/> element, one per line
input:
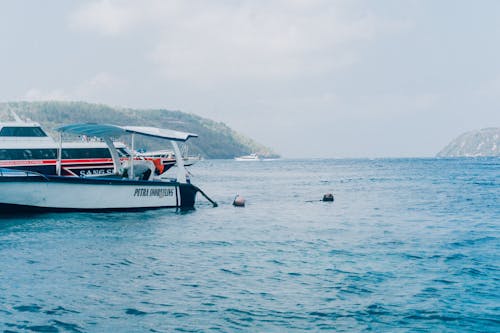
<point x="308" y="78"/>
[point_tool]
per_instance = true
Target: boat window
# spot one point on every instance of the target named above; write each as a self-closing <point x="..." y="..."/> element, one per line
<point x="46" y="154"/>
<point x="122" y="152"/>
<point x="22" y="131"/>
<point x="28" y="154"/>
<point x="82" y="153"/>
<point x="4" y="154"/>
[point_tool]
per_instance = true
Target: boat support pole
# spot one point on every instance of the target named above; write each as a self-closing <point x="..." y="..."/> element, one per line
<point x="59" y="155"/>
<point x="131" y="169"/>
<point x="114" y="154"/>
<point x="181" y="170"/>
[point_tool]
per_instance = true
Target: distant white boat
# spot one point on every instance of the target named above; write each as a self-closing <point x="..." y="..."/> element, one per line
<point x="251" y="157"/>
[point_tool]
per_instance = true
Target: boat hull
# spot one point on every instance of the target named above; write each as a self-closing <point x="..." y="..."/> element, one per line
<point x="52" y="193"/>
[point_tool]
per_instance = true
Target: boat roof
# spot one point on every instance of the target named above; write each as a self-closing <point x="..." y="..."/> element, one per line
<point x="107" y="130"/>
<point x="162" y="133"/>
<point x="99" y="130"/>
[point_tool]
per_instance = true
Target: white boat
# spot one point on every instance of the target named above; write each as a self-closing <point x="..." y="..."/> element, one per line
<point x="251" y="157"/>
<point x="24" y="145"/>
<point x="132" y="186"/>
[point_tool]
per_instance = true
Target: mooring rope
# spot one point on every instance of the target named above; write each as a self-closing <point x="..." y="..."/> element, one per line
<point x="208" y="198"/>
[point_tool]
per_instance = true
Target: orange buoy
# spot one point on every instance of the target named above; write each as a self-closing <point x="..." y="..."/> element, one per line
<point x="239" y="201"/>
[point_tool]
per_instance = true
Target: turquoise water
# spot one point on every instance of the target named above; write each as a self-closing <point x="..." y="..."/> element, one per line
<point x="408" y="245"/>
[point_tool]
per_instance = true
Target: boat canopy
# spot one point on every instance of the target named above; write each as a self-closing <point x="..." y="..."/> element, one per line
<point x="160" y="133"/>
<point x="106" y="130"/>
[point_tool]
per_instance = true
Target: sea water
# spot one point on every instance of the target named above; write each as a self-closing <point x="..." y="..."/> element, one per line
<point x="408" y="245"/>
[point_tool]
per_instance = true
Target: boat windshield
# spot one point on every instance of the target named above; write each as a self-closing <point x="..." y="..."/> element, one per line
<point x="123" y="152"/>
<point x="22" y="131"/>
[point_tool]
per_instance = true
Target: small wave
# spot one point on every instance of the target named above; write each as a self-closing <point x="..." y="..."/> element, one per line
<point x="180" y="314"/>
<point x="354" y="289"/>
<point x="28" y="308"/>
<point x="208" y="304"/>
<point x="68" y="327"/>
<point x="377" y="309"/>
<point x="229" y="271"/>
<point x="240" y="312"/>
<point x="266" y="296"/>
<point x="435" y="256"/>
<point x="9" y="331"/>
<point x="455" y="256"/>
<point x="337" y="271"/>
<point x="161" y="312"/>
<point x="470" y="242"/>
<point x="433" y="317"/>
<point x="126" y="262"/>
<point x="59" y="311"/>
<point x="5" y="312"/>
<point x="471" y="271"/>
<point x="237" y="323"/>
<point x="217" y="243"/>
<point x="43" y="328"/>
<point x="429" y="290"/>
<point x="329" y="315"/>
<point x="412" y="256"/>
<point x="135" y="312"/>
<point x="444" y="281"/>
<point x="340" y="252"/>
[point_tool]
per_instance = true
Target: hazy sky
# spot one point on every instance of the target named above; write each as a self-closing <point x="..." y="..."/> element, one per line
<point x="309" y="78"/>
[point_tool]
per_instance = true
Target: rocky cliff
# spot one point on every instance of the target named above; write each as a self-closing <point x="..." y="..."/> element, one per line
<point x="483" y="142"/>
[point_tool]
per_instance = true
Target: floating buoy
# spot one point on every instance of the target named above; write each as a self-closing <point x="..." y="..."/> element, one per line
<point x="239" y="201"/>
<point x="328" y="197"/>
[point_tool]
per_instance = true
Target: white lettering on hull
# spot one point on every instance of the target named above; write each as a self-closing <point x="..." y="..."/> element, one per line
<point x="154" y="192"/>
<point x="95" y="172"/>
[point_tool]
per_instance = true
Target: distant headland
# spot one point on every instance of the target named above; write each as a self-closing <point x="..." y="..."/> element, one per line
<point x="479" y="143"/>
<point x="216" y="139"/>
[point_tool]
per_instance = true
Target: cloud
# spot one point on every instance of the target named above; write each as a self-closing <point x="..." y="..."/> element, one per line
<point x="219" y="40"/>
<point x="35" y="94"/>
<point x="92" y="89"/>
<point x="95" y="86"/>
<point x="104" y="17"/>
<point x="489" y="89"/>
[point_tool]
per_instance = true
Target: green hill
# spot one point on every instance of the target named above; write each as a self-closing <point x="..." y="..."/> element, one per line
<point x="216" y="140"/>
